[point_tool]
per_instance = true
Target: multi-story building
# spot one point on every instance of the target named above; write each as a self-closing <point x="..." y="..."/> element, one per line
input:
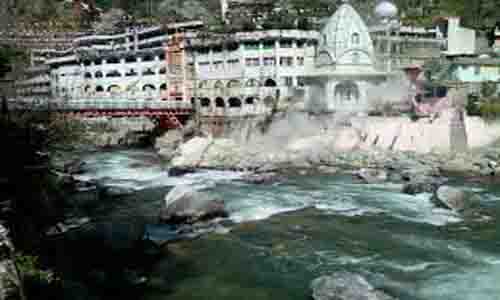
<point x="248" y="73"/>
<point x="130" y="64"/>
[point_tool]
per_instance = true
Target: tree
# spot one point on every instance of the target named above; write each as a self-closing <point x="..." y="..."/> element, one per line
<point x="488" y="89"/>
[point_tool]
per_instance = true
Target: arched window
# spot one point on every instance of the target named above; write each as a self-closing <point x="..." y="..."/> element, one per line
<point x="131" y="72"/>
<point x="270" y="83"/>
<point x="99" y="89"/>
<point x="355" y="38"/>
<point x="203" y="84"/>
<point x="252" y="83"/>
<point x="205" y="102"/>
<point x="234" y="102"/>
<point x="88" y="75"/>
<point x="98" y="74"/>
<point x="114" y="88"/>
<point x="113" y="73"/>
<point x="130" y="59"/>
<point x="219" y="85"/>
<point x="148" y="87"/>
<point x="233" y="84"/>
<point x="113" y="60"/>
<point x="346" y="91"/>
<point x="250" y="100"/>
<point x="163" y="87"/>
<point x="163" y="70"/>
<point x="148" y="72"/>
<point x="219" y="102"/>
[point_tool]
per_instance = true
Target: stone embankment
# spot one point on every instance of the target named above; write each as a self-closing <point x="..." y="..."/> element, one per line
<point x="109" y="132"/>
<point x="426" y="147"/>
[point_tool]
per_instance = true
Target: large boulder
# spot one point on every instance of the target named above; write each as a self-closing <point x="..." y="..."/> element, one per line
<point x="185" y="204"/>
<point x="345" y="286"/>
<point x="166" y="144"/>
<point x="422" y="185"/>
<point x="455" y="199"/>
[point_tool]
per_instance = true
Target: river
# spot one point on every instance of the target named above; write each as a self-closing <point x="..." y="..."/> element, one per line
<point x="286" y="234"/>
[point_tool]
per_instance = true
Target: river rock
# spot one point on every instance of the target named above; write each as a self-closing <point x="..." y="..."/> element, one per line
<point x="371" y="176"/>
<point x="180" y="171"/>
<point x="327" y="170"/>
<point x="454" y="199"/>
<point x="422" y="185"/>
<point x="10" y="279"/>
<point x="168" y="143"/>
<point x="261" y="178"/>
<point x="74" y="167"/>
<point x="345" y="286"/>
<point x="184" y="204"/>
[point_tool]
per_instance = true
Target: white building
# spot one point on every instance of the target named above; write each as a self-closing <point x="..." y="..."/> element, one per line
<point x="247" y="73"/>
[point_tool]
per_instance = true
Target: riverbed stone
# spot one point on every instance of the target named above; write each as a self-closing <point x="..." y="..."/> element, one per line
<point x="345" y="286"/>
<point x="455" y="199"/>
<point x="184" y="204"/>
<point x="168" y="143"/>
<point x="262" y="178"/>
<point x="371" y="176"/>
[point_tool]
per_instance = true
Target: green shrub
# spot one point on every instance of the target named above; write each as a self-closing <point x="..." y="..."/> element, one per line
<point x="490" y="110"/>
<point x="29" y="268"/>
<point x="472" y="106"/>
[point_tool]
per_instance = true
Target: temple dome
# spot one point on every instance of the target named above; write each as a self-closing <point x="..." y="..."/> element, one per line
<point x="345" y="32"/>
<point x="386" y="9"/>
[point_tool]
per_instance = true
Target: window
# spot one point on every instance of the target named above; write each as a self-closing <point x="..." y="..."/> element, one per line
<point x="148" y="72"/>
<point x="113" y="73"/>
<point x="233" y="84"/>
<point x="131" y="72"/>
<point x="218" y="65"/>
<point x="300" y="61"/>
<point x="252" y="83"/>
<point x="269" y="61"/>
<point x="113" y="60"/>
<point x="252" y="62"/>
<point x="300" y="44"/>
<point x="286" y="44"/>
<point x="233" y="61"/>
<point x="286" y="61"/>
<point x="268" y="45"/>
<point x="346" y="91"/>
<point x="219" y="85"/>
<point x="288" y="81"/>
<point x="355" y="38"/>
<point x="130" y="59"/>
<point x="252" y="46"/>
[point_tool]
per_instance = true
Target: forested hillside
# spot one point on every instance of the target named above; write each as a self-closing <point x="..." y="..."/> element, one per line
<point x="478" y="13"/>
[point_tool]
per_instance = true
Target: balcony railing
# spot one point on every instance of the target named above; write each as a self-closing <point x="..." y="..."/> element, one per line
<point x="103" y="104"/>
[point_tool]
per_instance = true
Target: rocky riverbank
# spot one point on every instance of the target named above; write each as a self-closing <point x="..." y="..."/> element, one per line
<point x="399" y="146"/>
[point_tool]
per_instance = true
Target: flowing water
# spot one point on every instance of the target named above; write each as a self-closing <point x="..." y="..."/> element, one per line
<point x="284" y="235"/>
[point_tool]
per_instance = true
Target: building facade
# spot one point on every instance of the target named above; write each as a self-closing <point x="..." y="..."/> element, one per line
<point x="251" y="73"/>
